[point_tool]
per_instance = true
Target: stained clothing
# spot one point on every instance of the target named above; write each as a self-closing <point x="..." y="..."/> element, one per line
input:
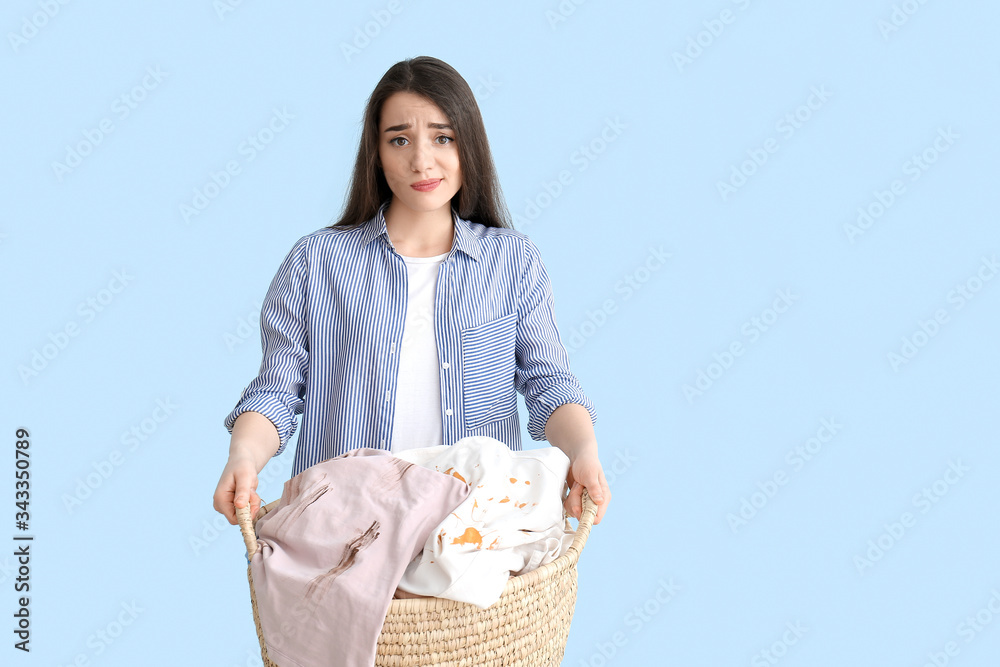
<point x="333" y="549"/>
<point x="450" y="521"/>
<point x="511" y="523"/>
<point x="332" y="325"/>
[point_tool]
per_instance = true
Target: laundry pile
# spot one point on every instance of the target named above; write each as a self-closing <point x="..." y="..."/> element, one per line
<point x="352" y="532"/>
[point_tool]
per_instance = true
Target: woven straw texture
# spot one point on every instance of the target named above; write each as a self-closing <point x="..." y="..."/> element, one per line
<point x="527" y="626"/>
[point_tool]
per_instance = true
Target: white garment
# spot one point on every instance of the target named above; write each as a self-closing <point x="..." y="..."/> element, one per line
<point x="416" y="419"/>
<point x="511" y="523"/>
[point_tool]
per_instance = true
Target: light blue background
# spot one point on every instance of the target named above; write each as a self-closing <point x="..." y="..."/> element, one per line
<point x="183" y="329"/>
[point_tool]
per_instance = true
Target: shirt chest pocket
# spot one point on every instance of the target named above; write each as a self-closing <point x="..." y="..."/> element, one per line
<point x="488" y="367"/>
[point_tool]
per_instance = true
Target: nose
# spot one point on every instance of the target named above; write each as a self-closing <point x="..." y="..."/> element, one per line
<point x="422" y="157"/>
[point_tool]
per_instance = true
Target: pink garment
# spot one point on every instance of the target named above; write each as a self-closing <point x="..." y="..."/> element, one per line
<point x="334" y="548"/>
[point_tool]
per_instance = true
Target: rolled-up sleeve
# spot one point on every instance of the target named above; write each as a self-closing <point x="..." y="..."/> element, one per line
<point x="277" y="391"/>
<point x="543" y="374"/>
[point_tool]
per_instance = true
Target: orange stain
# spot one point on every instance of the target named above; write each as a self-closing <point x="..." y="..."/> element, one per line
<point x="527" y="482"/>
<point x="506" y="499"/>
<point x="452" y="472"/>
<point x="521" y="505"/>
<point x="472" y="512"/>
<point x="513" y="479"/>
<point x="470" y="536"/>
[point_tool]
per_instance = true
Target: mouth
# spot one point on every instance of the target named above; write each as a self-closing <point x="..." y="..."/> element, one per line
<point x="426" y="186"/>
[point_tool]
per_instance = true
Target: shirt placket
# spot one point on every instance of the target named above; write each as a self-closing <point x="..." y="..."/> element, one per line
<point x="444" y="339"/>
<point x="399" y="284"/>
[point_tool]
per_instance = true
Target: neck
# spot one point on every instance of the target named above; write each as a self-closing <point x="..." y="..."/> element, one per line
<point x="419" y="233"/>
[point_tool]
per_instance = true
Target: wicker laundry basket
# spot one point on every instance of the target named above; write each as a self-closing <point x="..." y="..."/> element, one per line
<point x="527" y="626"/>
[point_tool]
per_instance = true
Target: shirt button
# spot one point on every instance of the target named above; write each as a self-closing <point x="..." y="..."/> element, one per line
<point x="445" y="365"/>
<point x="387" y="396"/>
<point x="448" y="412"/>
<point x="383" y="443"/>
<point x="392" y="347"/>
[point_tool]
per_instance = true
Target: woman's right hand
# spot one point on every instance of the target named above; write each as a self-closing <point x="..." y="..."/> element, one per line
<point x="237" y="485"/>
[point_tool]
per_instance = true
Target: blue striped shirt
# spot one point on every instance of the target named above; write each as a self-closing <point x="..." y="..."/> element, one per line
<point x="332" y="323"/>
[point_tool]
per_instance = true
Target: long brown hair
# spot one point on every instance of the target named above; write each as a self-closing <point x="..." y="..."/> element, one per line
<point x="480" y="198"/>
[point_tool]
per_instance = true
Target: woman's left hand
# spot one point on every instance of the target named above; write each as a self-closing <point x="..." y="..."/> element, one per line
<point x="585" y="471"/>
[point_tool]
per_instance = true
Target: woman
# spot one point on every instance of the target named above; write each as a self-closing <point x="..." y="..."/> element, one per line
<point x="416" y="318"/>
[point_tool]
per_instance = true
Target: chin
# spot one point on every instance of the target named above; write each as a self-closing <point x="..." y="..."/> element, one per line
<point x="428" y="204"/>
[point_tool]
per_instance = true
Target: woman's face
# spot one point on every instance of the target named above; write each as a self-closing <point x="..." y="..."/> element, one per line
<point x="417" y="146"/>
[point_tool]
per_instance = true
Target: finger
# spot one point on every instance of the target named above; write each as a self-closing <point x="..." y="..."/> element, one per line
<point x="594" y="488"/>
<point x="244" y="489"/>
<point x="222" y="501"/>
<point x="576" y="501"/>
<point x="568" y="486"/>
<point x="602" y="504"/>
<point x="220" y="497"/>
<point x="568" y="503"/>
<point x="601" y="508"/>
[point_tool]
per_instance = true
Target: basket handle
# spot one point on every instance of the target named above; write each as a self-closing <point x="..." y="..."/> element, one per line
<point x="246" y="527"/>
<point x="586" y="521"/>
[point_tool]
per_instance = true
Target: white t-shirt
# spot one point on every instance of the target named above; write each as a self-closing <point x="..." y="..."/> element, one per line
<point x="416" y="421"/>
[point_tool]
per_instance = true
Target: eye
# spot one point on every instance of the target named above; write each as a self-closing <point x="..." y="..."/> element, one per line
<point x="445" y="136"/>
<point x="394" y="139"/>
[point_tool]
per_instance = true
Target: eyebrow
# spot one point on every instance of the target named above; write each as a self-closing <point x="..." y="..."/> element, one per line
<point x="406" y="126"/>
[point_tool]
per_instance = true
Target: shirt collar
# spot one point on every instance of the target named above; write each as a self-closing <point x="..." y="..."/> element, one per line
<point x="465" y="239"/>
